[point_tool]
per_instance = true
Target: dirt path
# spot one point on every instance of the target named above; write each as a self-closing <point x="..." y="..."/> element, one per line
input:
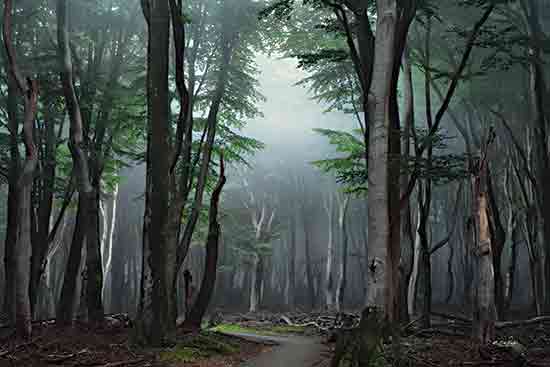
<point x="288" y="351"/>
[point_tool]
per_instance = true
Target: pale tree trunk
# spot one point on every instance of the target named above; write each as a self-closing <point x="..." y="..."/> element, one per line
<point x="411" y="298"/>
<point x="407" y="251"/>
<point x="511" y="246"/>
<point x="104" y="250"/>
<point x="290" y="289"/>
<point x="329" y="280"/>
<point x="254" y="282"/>
<point x="108" y="237"/>
<point x="485" y="308"/>
<point x="28" y="88"/>
<point x="308" y="262"/>
<point x="378" y="293"/>
<point x="343" y="208"/>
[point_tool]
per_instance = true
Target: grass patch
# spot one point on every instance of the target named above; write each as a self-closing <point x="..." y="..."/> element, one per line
<point x="269" y="330"/>
<point x="205" y="345"/>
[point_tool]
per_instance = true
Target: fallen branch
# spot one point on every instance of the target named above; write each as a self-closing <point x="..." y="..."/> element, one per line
<point x="440" y="331"/>
<point x="451" y="317"/>
<point x="536" y="320"/>
<point x="487" y="363"/>
<point x="123" y="363"/>
<point x="19" y="346"/>
<point x="58" y="359"/>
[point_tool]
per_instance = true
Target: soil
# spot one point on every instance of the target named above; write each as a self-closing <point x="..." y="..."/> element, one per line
<point x="106" y="346"/>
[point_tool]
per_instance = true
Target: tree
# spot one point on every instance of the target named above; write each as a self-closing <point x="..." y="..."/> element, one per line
<point x="28" y="88"/>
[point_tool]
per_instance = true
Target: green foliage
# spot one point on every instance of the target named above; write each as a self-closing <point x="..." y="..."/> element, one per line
<point x="350" y="166"/>
<point x="204" y="345"/>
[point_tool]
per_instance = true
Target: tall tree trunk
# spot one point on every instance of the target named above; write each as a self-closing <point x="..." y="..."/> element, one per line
<point x="194" y="319"/>
<point x="12" y="217"/>
<point x="143" y="330"/>
<point x="87" y="194"/>
<point x="539" y="94"/>
<point x="41" y="243"/>
<point x="164" y="317"/>
<point x="407" y="251"/>
<point x="485" y="309"/>
<point x="28" y="88"/>
<point x="379" y="292"/>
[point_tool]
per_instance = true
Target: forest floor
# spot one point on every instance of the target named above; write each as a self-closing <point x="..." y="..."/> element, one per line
<point x="276" y="340"/>
<point x="110" y="346"/>
<point x="448" y="342"/>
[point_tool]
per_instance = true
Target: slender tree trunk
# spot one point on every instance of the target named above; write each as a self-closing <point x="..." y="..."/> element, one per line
<point x="413" y="282"/>
<point x="12" y="217"/>
<point x="255" y="281"/>
<point x="498" y="239"/>
<point x="67" y="300"/>
<point x="329" y="281"/>
<point x="87" y="194"/>
<point x="194" y="319"/>
<point x="94" y="271"/>
<point x="344" y="262"/>
<point x="407" y="251"/>
<point x="308" y="262"/>
<point x="144" y="322"/>
<point x="291" y="264"/>
<point x="109" y="229"/>
<point x="41" y="241"/>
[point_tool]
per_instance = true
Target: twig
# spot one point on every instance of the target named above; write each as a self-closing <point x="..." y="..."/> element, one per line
<point x="123" y="363"/>
<point x="487" y="363"/>
<point x="19" y="346"/>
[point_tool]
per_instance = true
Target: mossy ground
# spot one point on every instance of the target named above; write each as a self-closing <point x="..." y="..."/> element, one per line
<point x="260" y="330"/>
<point x="205" y="345"/>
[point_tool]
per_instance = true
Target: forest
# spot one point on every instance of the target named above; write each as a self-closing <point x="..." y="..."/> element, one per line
<point x="267" y="183"/>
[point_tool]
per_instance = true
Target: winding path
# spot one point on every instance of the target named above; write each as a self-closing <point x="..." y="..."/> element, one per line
<point x="289" y="351"/>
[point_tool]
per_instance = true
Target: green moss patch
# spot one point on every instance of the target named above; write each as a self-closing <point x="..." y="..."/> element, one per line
<point x="267" y="330"/>
<point x="202" y="346"/>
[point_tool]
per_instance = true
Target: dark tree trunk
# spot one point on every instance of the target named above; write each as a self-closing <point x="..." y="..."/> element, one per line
<point x="12" y="219"/>
<point x="94" y="269"/>
<point x="88" y="223"/>
<point x="67" y="300"/>
<point x="28" y="88"/>
<point x="498" y="239"/>
<point x="41" y="241"/>
<point x="194" y="319"/>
